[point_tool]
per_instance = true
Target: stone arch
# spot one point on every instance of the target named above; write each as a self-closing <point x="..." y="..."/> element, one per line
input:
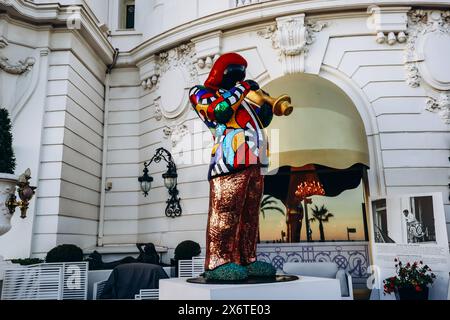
<point x="368" y="118"/>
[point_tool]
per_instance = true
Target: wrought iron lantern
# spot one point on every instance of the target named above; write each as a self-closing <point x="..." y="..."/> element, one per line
<point x="173" y="208"/>
<point x="25" y="192"/>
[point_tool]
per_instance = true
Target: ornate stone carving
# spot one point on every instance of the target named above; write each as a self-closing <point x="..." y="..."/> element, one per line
<point x="182" y="56"/>
<point x="270" y="32"/>
<point x="177" y="74"/>
<point x="18" y="68"/>
<point x="3" y="42"/>
<point x="389" y="23"/>
<point x="312" y="28"/>
<point x="207" y="49"/>
<point x="149" y="72"/>
<point x="150" y="82"/>
<point x="175" y="133"/>
<point x="425" y="26"/>
<point x="158" y="113"/>
<point x="441" y="105"/>
<point x="412" y="75"/>
<point x="291" y="37"/>
<point x="207" y="62"/>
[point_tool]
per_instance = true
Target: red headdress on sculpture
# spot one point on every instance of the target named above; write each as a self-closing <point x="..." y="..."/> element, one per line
<point x="216" y="74"/>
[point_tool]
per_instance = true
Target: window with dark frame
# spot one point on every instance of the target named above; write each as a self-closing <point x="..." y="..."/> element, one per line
<point x="129" y="18"/>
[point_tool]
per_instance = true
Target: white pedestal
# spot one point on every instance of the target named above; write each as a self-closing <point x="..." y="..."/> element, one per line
<point x="306" y="288"/>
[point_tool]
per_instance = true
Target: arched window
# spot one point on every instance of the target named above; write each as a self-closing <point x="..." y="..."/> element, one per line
<point x="126" y="14"/>
<point x="316" y="187"/>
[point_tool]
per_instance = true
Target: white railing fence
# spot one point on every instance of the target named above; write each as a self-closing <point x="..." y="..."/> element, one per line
<point x="350" y="256"/>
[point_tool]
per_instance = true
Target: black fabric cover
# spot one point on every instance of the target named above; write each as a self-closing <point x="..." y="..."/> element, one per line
<point x="334" y="181"/>
<point x="127" y="280"/>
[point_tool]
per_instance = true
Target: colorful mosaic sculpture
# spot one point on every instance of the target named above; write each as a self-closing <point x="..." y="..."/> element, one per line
<point x="239" y="152"/>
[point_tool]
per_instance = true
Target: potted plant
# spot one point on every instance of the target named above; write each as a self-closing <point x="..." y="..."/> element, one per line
<point x="410" y="282"/>
<point x="8" y="180"/>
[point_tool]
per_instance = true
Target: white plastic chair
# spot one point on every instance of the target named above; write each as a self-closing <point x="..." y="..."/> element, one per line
<point x="448" y="292"/>
<point x="322" y="270"/>
<point x="198" y="266"/>
<point x="147" y="294"/>
<point x="98" y="289"/>
<point x="191" y="268"/>
<point x="184" y="268"/>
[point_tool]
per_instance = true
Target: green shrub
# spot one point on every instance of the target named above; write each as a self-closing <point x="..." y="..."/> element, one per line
<point x="7" y="159"/>
<point x="27" y="261"/>
<point x="65" y="253"/>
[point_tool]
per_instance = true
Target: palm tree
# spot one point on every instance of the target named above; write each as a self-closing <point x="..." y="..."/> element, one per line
<point x="269" y="203"/>
<point x="322" y="215"/>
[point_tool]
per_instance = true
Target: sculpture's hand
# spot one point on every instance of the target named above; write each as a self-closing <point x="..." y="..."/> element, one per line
<point x="254" y="86"/>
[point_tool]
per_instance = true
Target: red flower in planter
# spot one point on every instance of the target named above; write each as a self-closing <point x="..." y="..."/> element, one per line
<point x="412" y="275"/>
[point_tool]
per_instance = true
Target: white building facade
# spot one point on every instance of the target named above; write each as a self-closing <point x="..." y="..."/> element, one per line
<point x="85" y="130"/>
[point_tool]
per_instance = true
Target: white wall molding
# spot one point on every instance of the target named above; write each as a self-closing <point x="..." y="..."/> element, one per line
<point x="3" y="32"/>
<point x="440" y="105"/>
<point x="57" y="15"/>
<point x="246" y="15"/>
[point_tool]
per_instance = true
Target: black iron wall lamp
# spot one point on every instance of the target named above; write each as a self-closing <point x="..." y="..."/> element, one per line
<point x="173" y="208"/>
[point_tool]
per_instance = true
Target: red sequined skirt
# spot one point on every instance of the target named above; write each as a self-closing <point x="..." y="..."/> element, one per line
<point x="233" y="218"/>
